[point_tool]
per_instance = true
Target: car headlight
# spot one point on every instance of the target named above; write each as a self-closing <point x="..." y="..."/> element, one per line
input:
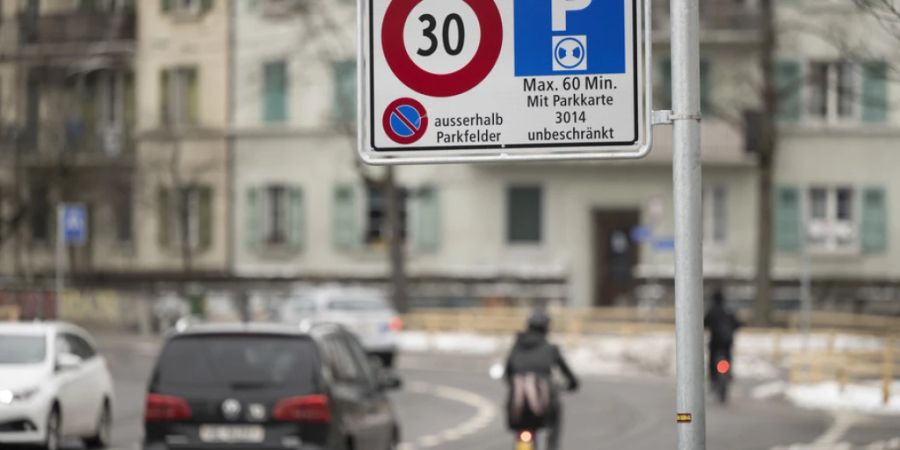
<point x="8" y="397"/>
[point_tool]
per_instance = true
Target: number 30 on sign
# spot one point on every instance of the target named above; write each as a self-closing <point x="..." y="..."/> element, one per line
<point x="503" y="80"/>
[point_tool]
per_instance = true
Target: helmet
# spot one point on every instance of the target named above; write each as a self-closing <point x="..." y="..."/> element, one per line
<point x="539" y="321"/>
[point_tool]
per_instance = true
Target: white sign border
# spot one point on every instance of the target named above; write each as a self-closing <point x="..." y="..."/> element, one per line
<point x="453" y="156"/>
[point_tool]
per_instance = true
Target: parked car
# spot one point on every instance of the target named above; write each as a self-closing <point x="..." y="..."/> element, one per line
<point x="268" y="386"/>
<point x="53" y="385"/>
<point x="365" y="312"/>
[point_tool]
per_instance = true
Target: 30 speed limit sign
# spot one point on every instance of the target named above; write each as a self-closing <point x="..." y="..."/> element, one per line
<point x="495" y="80"/>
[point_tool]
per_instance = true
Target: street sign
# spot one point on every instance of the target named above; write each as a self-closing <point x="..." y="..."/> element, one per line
<point x="74" y="223"/>
<point x="503" y="80"/>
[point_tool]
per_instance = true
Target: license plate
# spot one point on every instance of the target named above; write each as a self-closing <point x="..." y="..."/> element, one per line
<point x="525" y="446"/>
<point x="252" y="434"/>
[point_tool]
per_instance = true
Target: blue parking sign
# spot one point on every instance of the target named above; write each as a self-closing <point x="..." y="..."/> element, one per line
<point x="569" y="37"/>
<point x="74" y="223"/>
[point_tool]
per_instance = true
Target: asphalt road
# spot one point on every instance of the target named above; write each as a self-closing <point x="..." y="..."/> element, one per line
<point x="457" y="408"/>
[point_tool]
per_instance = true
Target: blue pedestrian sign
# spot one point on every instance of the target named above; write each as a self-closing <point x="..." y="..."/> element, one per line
<point x="74" y="224"/>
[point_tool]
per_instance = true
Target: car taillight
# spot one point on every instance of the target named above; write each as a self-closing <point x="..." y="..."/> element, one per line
<point x="723" y="367"/>
<point x="526" y="436"/>
<point x="166" y="408"/>
<point x="308" y="408"/>
<point x="396" y="324"/>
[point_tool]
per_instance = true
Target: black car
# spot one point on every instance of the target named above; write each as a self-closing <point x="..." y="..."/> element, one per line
<point x="254" y="386"/>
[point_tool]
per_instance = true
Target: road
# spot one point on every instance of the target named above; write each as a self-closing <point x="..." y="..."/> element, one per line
<point x="457" y="408"/>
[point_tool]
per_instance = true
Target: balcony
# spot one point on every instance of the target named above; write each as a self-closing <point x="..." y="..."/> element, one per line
<point x="77" y="142"/>
<point x="79" y="28"/>
<point x="720" y="20"/>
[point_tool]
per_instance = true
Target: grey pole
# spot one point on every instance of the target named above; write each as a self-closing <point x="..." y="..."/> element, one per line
<point x="687" y="177"/>
<point x="806" y="285"/>
<point x="60" y="251"/>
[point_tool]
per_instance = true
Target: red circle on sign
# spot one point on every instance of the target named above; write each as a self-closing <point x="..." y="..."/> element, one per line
<point x="394" y="112"/>
<point x="442" y="85"/>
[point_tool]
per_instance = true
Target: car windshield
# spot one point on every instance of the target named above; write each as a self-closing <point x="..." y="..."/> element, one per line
<point x="349" y="304"/>
<point x="239" y="362"/>
<point x="22" y="349"/>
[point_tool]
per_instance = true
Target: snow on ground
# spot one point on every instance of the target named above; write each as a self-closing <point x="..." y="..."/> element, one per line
<point x="865" y="398"/>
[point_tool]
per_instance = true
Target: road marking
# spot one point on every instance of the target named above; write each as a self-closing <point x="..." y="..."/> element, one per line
<point x="486" y="412"/>
<point x="831" y="439"/>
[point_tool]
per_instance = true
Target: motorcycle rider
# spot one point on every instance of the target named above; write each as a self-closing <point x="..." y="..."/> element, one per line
<point x="722" y="324"/>
<point x="533" y="359"/>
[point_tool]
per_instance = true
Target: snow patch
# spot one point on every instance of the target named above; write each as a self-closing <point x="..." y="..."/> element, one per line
<point x="866" y="398"/>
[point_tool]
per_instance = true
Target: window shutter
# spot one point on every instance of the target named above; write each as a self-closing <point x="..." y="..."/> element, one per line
<point x="874" y="221"/>
<point x="164" y="208"/>
<point x="428" y="220"/>
<point x="705" y="86"/>
<point x="205" y="219"/>
<point x="789" y="82"/>
<point x="193" y="100"/>
<point x="275" y="92"/>
<point x="166" y="5"/>
<point x="253" y="216"/>
<point x="296" y="223"/>
<point x="345" y="218"/>
<point x="875" y="92"/>
<point x="206" y="5"/>
<point x="788" y="220"/>
<point x="665" y="84"/>
<point x="345" y="91"/>
<point x="164" y="107"/>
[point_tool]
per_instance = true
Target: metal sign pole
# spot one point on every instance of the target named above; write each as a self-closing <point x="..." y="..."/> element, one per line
<point x="687" y="177"/>
<point x="60" y="251"/>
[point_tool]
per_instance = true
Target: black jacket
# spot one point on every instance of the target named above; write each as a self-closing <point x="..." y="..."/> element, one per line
<point x="532" y="353"/>
<point x="722" y="325"/>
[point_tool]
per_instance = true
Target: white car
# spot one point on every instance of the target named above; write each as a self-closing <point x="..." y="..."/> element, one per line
<point x="365" y="312"/>
<point x="53" y="385"/>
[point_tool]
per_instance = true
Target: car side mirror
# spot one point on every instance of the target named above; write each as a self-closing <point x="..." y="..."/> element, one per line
<point x="387" y="379"/>
<point x="68" y="361"/>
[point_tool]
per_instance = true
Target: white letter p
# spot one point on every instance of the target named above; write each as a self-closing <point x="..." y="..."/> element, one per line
<point x="562" y="7"/>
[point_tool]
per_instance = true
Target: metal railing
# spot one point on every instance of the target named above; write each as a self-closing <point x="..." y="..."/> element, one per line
<point x="78" y="27"/>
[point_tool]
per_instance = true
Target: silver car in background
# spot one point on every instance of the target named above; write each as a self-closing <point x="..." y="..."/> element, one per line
<point x="366" y="312"/>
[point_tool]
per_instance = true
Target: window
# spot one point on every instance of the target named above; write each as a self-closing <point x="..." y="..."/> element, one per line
<point x="186" y="7"/>
<point x="524" y="214"/>
<point x="123" y="215"/>
<point x="832" y="92"/>
<point x="180" y="98"/>
<point x="275" y="92"/>
<point x="41" y="214"/>
<point x="276" y="218"/>
<point x="340" y="359"/>
<point x="345" y="92"/>
<point x="377" y="226"/>
<point x="186" y="217"/>
<point x="22" y="348"/>
<point x="715" y="214"/>
<point x="832" y="219"/>
<point x="80" y="347"/>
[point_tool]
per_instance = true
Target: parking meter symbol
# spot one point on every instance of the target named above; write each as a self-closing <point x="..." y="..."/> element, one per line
<point x="570" y="53"/>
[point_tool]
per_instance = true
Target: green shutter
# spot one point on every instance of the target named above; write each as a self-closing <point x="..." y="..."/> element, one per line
<point x="253" y="233"/>
<point x="789" y="82"/>
<point x="705" y="86"/>
<point x="296" y="223"/>
<point x="664" y="99"/>
<point x="193" y="112"/>
<point x="163" y="208"/>
<point x="874" y="221"/>
<point x="166" y="5"/>
<point x="275" y="92"/>
<point x="788" y="219"/>
<point x="164" y="108"/>
<point x="345" y="91"/>
<point x="345" y="218"/>
<point x="205" y="218"/>
<point x="428" y="220"/>
<point x="206" y="5"/>
<point x="875" y="92"/>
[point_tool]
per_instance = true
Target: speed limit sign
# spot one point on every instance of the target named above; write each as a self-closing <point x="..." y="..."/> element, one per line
<point x="503" y="80"/>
